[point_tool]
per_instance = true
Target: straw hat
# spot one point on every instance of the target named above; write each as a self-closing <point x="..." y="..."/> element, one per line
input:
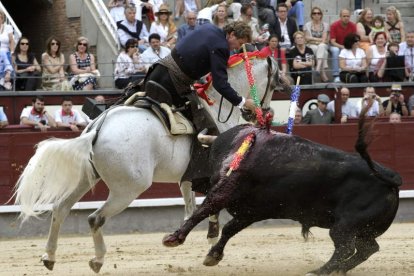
<point x="163" y="9"/>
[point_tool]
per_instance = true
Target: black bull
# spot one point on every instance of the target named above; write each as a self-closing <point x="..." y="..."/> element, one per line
<point x="288" y="177"/>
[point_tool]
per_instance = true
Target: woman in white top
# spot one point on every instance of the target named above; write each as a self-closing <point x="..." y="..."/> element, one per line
<point x="165" y="27"/>
<point x="7" y="42"/>
<point x="376" y="57"/>
<point x="128" y="67"/>
<point x="352" y="61"/>
<point x="316" y="35"/>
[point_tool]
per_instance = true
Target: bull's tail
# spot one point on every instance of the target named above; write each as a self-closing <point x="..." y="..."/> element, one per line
<point x="361" y="145"/>
<point x="54" y="172"/>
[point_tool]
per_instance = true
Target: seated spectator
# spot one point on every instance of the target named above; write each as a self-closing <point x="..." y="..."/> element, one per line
<point x="6" y="70"/>
<point x="393" y="69"/>
<point x="7" y="43"/>
<point x="378" y="27"/>
<point x="53" y="62"/>
<point x="233" y="6"/>
<point x="26" y="67"/>
<point x="396" y="103"/>
<point x="36" y="115"/>
<point x="273" y="50"/>
<point x="266" y="12"/>
<point x="296" y="10"/>
<point x="206" y="15"/>
<point x="319" y="115"/>
<point x="316" y="34"/>
<point x="189" y="26"/>
<point x="338" y="31"/>
<point x="376" y="108"/>
<point x="395" y="118"/>
<point x="155" y="52"/>
<point x="364" y="26"/>
<point x="284" y="27"/>
<point x="128" y="67"/>
<point x="247" y="17"/>
<point x="132" y="28"/>
<point x="3" y="118"/>
<point x="144" y="10"/>
<point x="376" y="57"/>
<point x="69" y="117"/>
<point x="407" y="50"/>
<point x="352" y="61"/>
<point x="117" y="9"/>
<point x="100" y="99"/>
<point x="394" y="25"/>
<point x="301" y="60"/>
<point x="298" y="116"/>
<point x="165" y="27"/>
<point x="82" y="66"/>
<point x="183" y="6"/>
<point x="348" y="110"/>
<point x="220" y="18"/>
<point x="411" y="105"/>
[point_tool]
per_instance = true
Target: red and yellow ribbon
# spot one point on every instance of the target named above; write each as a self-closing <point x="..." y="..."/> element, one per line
<point x="241" y="153"/>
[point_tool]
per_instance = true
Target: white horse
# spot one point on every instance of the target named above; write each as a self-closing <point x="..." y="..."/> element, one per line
<point x="131" y="151"/>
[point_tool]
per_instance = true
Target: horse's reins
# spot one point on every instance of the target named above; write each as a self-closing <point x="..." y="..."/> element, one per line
<point x="269" y="75"/>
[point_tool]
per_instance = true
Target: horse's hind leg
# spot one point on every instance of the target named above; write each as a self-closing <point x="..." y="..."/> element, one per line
<point x="118" y="200"/>
<point x="59" y="214"/>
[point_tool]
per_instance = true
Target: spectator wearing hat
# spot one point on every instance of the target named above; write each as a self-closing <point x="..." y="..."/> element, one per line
<point x="396" y="103"/>
<point x="321" y="114"/>
<point x="132" y="28"/>
<point x="165" y="27"/>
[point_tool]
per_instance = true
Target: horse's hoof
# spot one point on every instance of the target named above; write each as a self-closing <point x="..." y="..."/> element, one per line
<point x="48" y="264"/>
<point x="171" y="240"/>
<point x="212" y="260"/>
<point x="95" y="266"/>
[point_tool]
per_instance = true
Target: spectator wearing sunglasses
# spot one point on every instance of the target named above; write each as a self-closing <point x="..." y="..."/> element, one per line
<point x="26" y="66"/>
<point x="128" y="67"/>
<point x="82" y="66"/>
<point x="353" y="61"/>
<point x="53" y="62"/>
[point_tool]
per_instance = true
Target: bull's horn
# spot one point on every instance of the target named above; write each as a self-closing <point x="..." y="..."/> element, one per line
<point x="204" y="138"/>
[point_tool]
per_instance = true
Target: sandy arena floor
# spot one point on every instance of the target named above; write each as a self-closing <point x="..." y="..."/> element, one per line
<point x="256" y="251"/>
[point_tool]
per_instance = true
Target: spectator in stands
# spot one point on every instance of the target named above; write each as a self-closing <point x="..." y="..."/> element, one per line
<point x="338" y="31"/>
<point x="364" y="26"/>
<point x="319" y="115"/>
<point x="100" y="99"/>
<point x="298" y="116"/>
<point x="82" y="66"/>
<point x="128" y="67"/>
<point x="376" y="108"/>
<point x="378" y="27"/>
<point x="284" y="27"/>
<point x="395" y="118"/>
<point x="411" y="105"/>
<point x="353" y="61"/>
<point x="297" y="10"/>
<point x="182" y="6"/>
<point x="407" y="50"/>
<point x="3" y="118"/>
<point x="117" y="9"/>
<point x="6" y="70"/>
<point x="6" y="37"/>
<point x="376" y="57"/>
<point x="266" y="11"/>
<point x="348" y="110"/>
<point x="36" y="115"/>
<point x="206" y="15"/>
<point x="316" y="34"/>
<point x="301" y="60"/>
<point x="165" y="27"/>
<point x="69" y="117"/>
<point x="396" y="102"/>
<point x="273" y="50"/>
<point x="132" y="28"/>
<point x="26" y="67"/>
<point x="394" y="25"/>
<point x="233" y="6"/>
<point x="143" y="9"/>
<point x="53" y="62"/>
<point x="189" y="26"/>
<point x="220" y="18"/>
<point x="393" y="68"/>
<point x="247" y="17"/>
<point x="155" y="52"/>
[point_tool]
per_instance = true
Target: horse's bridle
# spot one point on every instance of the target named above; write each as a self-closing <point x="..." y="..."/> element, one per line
<point x="269" y="75"/>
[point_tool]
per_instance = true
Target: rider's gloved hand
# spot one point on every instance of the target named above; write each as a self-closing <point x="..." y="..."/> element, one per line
<point x="249" y="105"/>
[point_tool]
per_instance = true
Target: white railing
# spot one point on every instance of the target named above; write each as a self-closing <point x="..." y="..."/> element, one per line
<point x="107" y="20"/>
<point x="9" y="20"/>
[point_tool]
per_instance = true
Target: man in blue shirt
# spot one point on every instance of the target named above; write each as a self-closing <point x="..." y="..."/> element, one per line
<point x="5" y="72"/>
<point x="190" y="18"/>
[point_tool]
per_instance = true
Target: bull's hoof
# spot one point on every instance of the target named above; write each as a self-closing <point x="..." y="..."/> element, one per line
<point x="95" y="266"/>
<point x="171" y="240"/>
<point x="48" y="264"/>
<point x="212" y="260"/>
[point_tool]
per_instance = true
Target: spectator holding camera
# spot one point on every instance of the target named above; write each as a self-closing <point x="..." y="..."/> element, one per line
<point x="376" y="108"/>
<point x="36" y="115"/>
<point x="396" y="103"/>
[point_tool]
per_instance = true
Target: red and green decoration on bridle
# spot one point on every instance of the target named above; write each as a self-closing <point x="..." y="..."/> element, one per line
<point x="262" y="122"/>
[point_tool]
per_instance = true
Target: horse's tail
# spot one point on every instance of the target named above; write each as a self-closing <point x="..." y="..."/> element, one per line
<point x="54" y="172"/>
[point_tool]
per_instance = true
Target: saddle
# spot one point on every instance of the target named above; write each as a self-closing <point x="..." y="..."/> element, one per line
<point x="172" y="119"/>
